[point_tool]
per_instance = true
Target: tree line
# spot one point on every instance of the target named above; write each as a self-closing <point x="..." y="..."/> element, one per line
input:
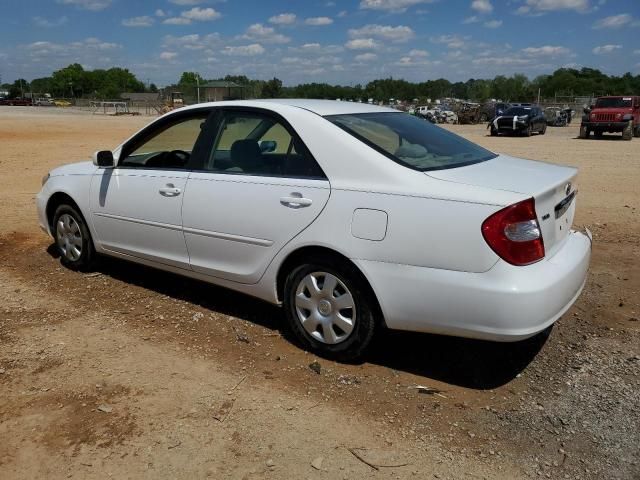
<point x="75" y="81"/>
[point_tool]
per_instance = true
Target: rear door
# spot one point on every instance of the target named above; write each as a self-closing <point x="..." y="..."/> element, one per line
<point x="257" y="189"/>
<point x="136" y="207"/>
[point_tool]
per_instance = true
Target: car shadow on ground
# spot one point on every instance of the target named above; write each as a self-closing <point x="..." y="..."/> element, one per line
<point x="464" y="362"/>
<point x="469" y="363"/>
<point x="611" y="138"/>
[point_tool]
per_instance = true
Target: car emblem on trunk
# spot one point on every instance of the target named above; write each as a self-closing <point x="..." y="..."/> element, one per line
<point x="567" y="189"/>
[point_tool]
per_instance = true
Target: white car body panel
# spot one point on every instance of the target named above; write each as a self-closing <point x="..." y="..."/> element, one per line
<point x="235" y="224"/>
<point x="415" y="236"/>
<point x="130" y="215"/>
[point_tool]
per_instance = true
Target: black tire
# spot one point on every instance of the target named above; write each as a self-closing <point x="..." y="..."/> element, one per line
<point x="85" y="259"/>
<point x="494" y="132"/>
<point x="636" y="132"/>
<point x="528" y="131"/>
<point x="544" y="129"/>
<point x="356" y="342"/>
<point x="627" y="133"/>
<point x="584" y="132"/>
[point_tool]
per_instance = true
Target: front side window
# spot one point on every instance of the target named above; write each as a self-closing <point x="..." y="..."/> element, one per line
<point x="168" y="147"/>
<point x="410" y="141"/>
<point x="252" y="143"/>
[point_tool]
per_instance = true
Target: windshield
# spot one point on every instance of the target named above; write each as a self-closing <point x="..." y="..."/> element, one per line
<point x="410" y="141"/>
<point x="518" y="111"/>
<point x="616" y="102"/>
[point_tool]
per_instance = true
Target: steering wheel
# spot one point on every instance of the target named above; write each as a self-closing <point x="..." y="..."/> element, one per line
<point x="180" y="155"/>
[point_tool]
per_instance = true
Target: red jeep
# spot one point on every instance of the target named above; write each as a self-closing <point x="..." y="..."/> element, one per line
<point x="612" y="114"/>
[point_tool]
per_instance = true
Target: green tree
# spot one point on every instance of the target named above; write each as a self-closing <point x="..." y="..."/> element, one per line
<point x="19" y="88"/>
<point x="272" y="88"/>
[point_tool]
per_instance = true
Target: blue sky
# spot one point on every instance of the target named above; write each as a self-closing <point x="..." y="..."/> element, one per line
<point x="339" y="41"/>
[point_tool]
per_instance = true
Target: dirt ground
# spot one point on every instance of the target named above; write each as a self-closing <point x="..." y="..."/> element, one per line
<point x="133" y="373"/>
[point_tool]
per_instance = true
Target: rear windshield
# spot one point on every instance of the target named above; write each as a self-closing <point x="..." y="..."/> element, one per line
<point x="410" y="141"/>
<point x="518" y="111"/>
<point x="616" y="102"/>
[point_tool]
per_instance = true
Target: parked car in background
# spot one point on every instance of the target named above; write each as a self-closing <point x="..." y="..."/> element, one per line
<point x="62" y="103"/>
<point x="523" y="120"/>
<point x="44" y="102"/>
<point x="351" y="216"/>
<point x="612" y="115"/>
<point x="18" y="102"/>
<point x="557" y="117"/>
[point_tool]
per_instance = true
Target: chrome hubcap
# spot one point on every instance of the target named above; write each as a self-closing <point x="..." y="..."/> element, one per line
<point x="325" y="307"/>
<point x="69" y="237"/>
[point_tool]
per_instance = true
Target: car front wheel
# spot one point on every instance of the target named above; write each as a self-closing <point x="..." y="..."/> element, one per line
<point x="330" y="309"/>
<point x="73" y="239"/>
<point x="584" y="132"/>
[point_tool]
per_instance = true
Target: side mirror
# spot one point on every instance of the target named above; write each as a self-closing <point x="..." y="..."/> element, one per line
<point x="103" y="158"/>
<point x="268" y="146"/>
<point x="587" y="110"/>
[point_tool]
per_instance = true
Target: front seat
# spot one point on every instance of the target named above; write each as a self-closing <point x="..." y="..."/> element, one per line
<point x="246" y="156"/>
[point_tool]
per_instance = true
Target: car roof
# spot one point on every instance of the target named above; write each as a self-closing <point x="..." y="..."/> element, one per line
<point x="320" y="107"/>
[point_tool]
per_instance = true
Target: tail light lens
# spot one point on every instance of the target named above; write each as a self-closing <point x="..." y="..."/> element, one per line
<point x="514" y="233"/>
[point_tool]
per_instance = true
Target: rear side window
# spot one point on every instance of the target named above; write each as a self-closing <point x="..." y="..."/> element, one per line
<point x="410" y="141"/>
<point x="250" y="143"/>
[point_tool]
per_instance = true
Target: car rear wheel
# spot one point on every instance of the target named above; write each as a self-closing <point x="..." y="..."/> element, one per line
<point x="544" y="129"/>
<point x="627" y="133"/>
<point x="73" y="239"/>
<point x="636" y="132"/>
<point x="330" y="309"/>
<point x="528" y="131"/>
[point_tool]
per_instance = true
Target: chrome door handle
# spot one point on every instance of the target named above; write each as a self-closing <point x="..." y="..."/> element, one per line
<point x="295" y="200"/>
<point x="170" y="190"/>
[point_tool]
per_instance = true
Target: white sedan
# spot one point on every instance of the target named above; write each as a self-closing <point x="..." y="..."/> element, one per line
<point x="351" y="216"/>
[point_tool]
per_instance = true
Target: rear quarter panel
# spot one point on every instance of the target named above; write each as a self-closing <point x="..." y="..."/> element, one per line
<point x="424" y="232"/>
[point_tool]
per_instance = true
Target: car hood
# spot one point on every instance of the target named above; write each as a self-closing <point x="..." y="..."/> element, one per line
<point x="79" y="168"/>
<point x="612" y="110"/>
<point x="507" y="173"/>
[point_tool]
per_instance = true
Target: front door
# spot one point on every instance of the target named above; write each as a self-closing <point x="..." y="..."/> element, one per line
<point x="258" y="188"/>
<point x="136" y="207"/>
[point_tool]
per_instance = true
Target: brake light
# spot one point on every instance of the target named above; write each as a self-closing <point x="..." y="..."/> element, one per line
<point x="514" y="233"/>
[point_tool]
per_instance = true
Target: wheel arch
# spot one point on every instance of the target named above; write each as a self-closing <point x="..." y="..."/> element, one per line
<point x="298" y="256"/>
<point x="57" y="199"/>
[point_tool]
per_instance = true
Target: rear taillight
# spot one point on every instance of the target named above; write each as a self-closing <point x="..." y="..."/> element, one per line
<point x="514" y="233"/>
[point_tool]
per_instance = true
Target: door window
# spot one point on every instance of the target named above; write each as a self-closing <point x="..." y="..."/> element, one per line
<point x="250" y="143"/>
<point x="168" y="147"/>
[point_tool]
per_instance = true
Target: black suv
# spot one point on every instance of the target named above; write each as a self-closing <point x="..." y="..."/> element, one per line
<point x="519" y="120"/>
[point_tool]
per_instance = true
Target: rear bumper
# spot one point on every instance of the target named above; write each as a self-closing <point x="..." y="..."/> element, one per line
<point x="506" y="303"/>
<point x="606" y="126"/>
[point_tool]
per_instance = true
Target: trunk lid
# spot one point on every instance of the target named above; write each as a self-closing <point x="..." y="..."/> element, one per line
<point x="551" y="186"/>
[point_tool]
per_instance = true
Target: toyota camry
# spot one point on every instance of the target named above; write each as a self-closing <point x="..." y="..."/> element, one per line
<point x="352" y="217"/>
